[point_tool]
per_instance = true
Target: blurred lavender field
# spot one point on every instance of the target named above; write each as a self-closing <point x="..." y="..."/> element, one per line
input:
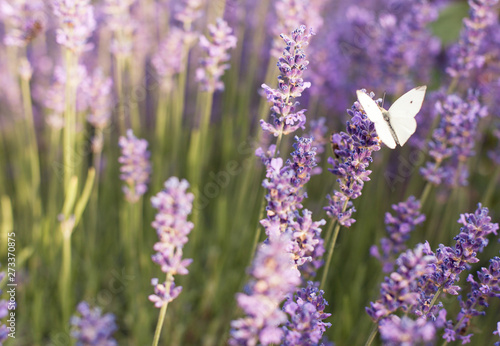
<point x="197" y="172"/>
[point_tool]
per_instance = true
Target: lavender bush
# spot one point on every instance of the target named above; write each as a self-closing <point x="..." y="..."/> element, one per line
<point x="200" y="172"/>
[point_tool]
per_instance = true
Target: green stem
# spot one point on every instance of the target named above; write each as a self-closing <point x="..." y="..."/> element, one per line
<point x="425" y="193"/>
<point x="257" y="233"/>
<point x="35" y="163"/>
<point x="452" y="86"/>
<point x="373" y="334"/>
<point x="69" y="118"/>
<point x="491" y="187"/>
<point x="436" y="296"/>
<point x="65" y="278"/>
<point x="163" y="312"/>
<point x="119" y="89"/>
<point x="326" y="268"/>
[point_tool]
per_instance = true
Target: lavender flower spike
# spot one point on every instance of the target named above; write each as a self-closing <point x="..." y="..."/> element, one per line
<point x="213" y="66"/>
<point x="497" y="332"/>
<point x="306" y="311"/>
<point x="273" y="276"/>
<point x="98" y="91"/>
<point x="4" y="331"/>
<point x="174" y="205"/>
<point x="466" y="53"/>
<point x="76" y="18"/>
<point x="453" y="140"/>
<point x="353" y="154"/>
<point x="405" y="331"/>
<point x="291" y="64"/>
<point x="400" y="289"/>
<point x="92" y="328"/>
<point x="136" y="168"/>
<point x="23" y="21"/>
<point x="398" y="228"/>
<point x="487" y="287"/>
<point x="167" y="65"/>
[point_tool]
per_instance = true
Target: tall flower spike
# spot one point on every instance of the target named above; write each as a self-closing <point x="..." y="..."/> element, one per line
<point x="273" y="276"/>
<point x="91" y="328"/>
<point x="488" y="286"/>
<point x="453" y="140"/>
<point x="466" y="54"/>
<point x="306" y="310"/>
<point x="285" y="182"/>
<point x="290" y="14"/>
<point x="319" y="140"/>
<point x="76" y="18"/>
<point x="215" y="63"/>
<point x="497" y="332"/>
<point x="136" y="168"/>
<point x="292" y="63"/>
<point x="121" y="24"/>
<point x="167" y="64"/>
<point x="97" y="89"/>
<point x="405" y="332"/>
<point x="25" y="21"/>
<point x="398" y="227"/>
<point x="353" y="154"/>
<point x="174" y="205"/>
<point x="451" y="262"/>
<point x="4" y="331"/>
<point x="400" y="289"/>
<point x="189" y="12"/>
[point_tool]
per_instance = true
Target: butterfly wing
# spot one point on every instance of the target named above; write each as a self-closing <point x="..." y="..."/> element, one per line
<point x="374" y="113"/>
<point x="403" y="111"/>
<point x="384" y="133"/>
<point x="403" y="128"/>
<point x="371" y="109"/>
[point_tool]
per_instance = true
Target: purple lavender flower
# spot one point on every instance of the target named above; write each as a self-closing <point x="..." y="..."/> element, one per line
<point x="4" y="331"/>
<point x="290" y="15"/>
<point x="136" y="168"/>
<point x="466" y="55"/>
<point x="451" y="262"/>
<point x="400" y="289"/>
<point x="53" y="98"/>
<point x="398" y="228"/>
<point x="76" y="18"/>
<point x="282" y="198"/>
<point x="303" y="160"/>
<point x="25" y="21"/>
<point x="285" y="181"/>
<point x="319" y="140"/>
<point x="189" y="12"/>
<point x="497" y="332"/>
<point x="353" y="154"/>
<point x="213" y="66"/>
<point x="174" y="205"/>
<point x="91" y="328"/>
<point x="97" y="89"/>
<point x="453" y="140"/>
<point x="273" y="277"/>
<point x="291" y="64"/>
<point x="306" y="310"/>
<point x="384" y="52"/>
<point x="121" y="24"/>
<point x="405" y="331"/>
<point x="167" y="64"/>
<point x="487" y="287"/>
<point x="308" y="248"/>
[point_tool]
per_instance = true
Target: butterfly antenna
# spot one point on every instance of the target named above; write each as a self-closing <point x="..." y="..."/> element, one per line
<point x="383" y="99"/>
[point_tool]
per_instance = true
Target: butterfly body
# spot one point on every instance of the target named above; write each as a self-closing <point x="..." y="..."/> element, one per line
<point x="396" y="125"/>
<point x="387" y="118"/>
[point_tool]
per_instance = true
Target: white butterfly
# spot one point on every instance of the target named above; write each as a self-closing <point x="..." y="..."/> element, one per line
<point x="396" y="125"/>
